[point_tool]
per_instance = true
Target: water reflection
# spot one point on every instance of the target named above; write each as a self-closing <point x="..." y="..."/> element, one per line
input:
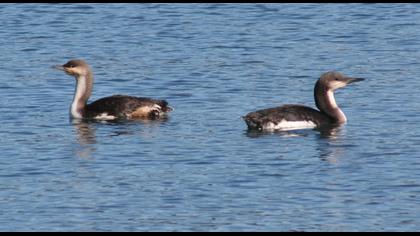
<point x="328" y="140"/>
<point x="86" y="137"/>
<point x="327" y="144"/>
<point x="328" y="132"/>
<point x="86" y="132"/>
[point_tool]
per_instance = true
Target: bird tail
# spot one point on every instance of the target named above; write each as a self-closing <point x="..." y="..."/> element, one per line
<point x="253" y="121"/>
<point x="165" y="106"/>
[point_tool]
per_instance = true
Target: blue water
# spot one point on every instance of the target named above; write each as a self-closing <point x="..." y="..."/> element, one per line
<point x="201" y="170"/>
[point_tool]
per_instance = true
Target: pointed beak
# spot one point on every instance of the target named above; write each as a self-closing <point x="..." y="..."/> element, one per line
<point x="354" y="80"/>
<point x="58" y="67"/>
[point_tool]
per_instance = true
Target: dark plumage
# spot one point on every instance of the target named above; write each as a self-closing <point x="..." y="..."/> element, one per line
<point x="122" y="106"/>
<point x="258" y="119"/>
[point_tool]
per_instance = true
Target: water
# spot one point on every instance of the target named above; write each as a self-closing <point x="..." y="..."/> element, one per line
<point x="201" y="170"/>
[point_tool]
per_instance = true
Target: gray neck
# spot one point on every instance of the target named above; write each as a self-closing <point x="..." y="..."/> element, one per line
<point x="84" y="85"/>
<point x="325" y="101"/>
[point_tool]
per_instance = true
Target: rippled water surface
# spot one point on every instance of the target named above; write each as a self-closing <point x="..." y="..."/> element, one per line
<point x="201" y="170"/>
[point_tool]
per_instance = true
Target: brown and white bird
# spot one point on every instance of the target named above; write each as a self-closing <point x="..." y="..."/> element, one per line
<point x="291" y="117"/>
<point x="108" y="108"/>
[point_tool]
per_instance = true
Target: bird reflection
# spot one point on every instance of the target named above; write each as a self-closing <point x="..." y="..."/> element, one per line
<point x="86" y="132"/>
<point x="329" y="146"/>
<point x="258" y="134"/>
<point x="86" y="138"/>
<point x="329" y="132"/>
<point x="328" y="140"/>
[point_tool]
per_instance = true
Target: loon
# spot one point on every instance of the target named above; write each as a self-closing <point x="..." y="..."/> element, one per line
<point x="292" y="117"/>
<point x="108" y="108"/>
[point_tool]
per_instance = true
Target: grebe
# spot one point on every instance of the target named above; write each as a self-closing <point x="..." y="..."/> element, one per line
<point x="291" y="117"/>
<point x="108" y="108"/>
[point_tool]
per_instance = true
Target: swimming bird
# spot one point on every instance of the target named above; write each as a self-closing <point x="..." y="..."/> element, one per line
<point x="291" y="117"/>
<point x="108" y="108"/>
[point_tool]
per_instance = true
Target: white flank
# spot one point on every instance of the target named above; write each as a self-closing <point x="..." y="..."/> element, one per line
<point x="290" y="125"/>
<point x="157" y="107"/>
<point x="104" y="116"/>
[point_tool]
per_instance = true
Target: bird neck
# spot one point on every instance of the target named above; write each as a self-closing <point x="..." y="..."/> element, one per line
<point x="325" y="101"/>
<point x="84" y="85"/>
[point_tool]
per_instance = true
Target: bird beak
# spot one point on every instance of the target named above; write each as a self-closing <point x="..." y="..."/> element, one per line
<point x="58" y="67"/>
<point x="353" y="80"/>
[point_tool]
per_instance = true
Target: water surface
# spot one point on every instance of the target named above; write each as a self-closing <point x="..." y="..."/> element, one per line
<point x="201" y="170"/>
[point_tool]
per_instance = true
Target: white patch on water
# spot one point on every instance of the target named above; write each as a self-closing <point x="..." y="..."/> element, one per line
<point x="104" y="116"/>
<point x="290" y="125"/>
<point x="157" y="107"/>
